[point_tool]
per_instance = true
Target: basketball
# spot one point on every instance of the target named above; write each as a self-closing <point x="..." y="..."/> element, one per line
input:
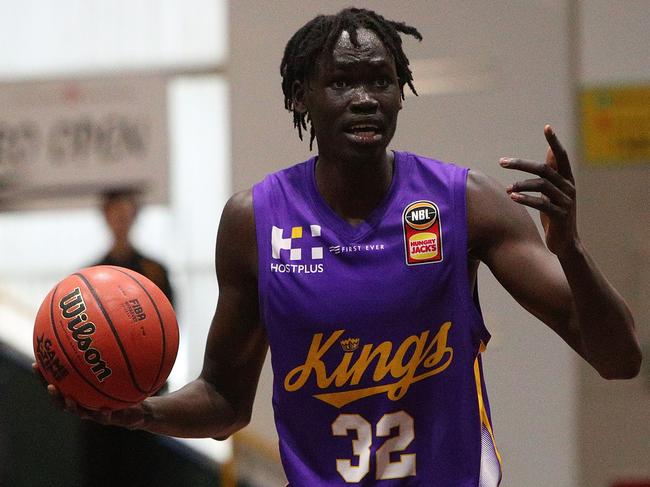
<point x="106" y="337"/>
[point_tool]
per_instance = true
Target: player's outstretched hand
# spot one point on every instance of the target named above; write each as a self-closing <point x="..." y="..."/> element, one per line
<point x="553" y="193"/>
<point x="133" y="417"/>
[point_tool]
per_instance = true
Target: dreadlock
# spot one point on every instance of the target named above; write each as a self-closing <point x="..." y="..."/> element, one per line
<point x="321" y="34"/>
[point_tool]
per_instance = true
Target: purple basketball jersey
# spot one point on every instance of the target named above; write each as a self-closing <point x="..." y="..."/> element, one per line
<point x="374" y="333"/>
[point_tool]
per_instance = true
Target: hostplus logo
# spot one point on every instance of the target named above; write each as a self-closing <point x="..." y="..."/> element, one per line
<point x="303" y="249"/>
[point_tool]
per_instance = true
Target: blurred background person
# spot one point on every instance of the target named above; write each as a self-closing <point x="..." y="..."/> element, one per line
<point x="120" y="209"/>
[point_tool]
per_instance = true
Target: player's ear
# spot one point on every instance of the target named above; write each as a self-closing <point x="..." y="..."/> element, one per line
<point x="298" y="93"/>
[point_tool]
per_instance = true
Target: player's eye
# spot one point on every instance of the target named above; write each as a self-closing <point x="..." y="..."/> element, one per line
<point x="339" y="83"/>
<point x="382" y="82"/>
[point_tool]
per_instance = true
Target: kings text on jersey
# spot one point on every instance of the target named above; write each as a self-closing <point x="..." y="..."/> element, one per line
<point x="418" y="357"/>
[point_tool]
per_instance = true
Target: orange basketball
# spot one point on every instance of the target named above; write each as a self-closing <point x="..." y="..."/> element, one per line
<point x="106" y="337"/>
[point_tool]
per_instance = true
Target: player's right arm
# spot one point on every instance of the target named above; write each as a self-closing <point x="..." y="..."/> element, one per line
<point x="219" y="402"/>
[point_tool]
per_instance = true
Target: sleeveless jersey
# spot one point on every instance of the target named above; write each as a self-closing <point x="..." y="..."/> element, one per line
<point x="374" y="334"/>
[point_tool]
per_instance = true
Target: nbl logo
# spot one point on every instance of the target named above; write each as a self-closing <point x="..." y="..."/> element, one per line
<point x="420" y="216"/>
<point x="305" y="252"/>
<point x="422" y="233"/>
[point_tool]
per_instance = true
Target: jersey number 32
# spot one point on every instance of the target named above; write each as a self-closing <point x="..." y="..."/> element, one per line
<point x="404" y="467"/>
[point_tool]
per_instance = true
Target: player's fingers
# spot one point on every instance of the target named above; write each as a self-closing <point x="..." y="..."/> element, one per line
<point x="83" y="413"/>
<point x="539" y="169"/>
<point x="37" y="373"/>
<point x="55" y="396"/>
<point x="561" y="156"/>
<point x="541" y="203"/>
<point x="550" y="158"/>
<point x="543" y="186"/>
<point x="71" y="406"/>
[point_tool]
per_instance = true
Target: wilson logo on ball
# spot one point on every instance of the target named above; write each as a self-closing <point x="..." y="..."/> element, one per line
<point x="73" y="308"/>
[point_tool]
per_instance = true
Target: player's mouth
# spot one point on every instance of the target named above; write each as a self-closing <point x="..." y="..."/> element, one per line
<point x="364" y="133"/>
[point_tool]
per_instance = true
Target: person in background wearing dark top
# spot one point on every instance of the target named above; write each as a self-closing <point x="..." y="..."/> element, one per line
<point x="120" y="209"/>
<point x="123" y="458"/>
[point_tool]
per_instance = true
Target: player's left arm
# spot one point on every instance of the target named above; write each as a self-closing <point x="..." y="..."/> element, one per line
<point x="555" y="280"/>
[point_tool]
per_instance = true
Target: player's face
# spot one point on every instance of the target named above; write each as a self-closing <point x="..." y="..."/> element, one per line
<point x="354" y="97"/>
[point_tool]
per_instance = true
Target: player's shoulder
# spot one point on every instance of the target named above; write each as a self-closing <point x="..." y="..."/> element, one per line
<point x="478" y="184"/>
<point x="487" y="195"/>
<point x="240" y="205"/>
<point x="240" y="202"/>
<point x="291" y="176"/>
<point x="425" y="166"/>
<point x="482" y="186"/>
<point x="236" y="254"/>
<point x="491" y="215"/>
<point x="238" y="212"/>
<point x="487" y="201"/>
<point x="408" y="157"/>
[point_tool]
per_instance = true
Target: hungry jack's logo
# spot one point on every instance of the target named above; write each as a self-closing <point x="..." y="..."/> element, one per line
<point x="418" y="357"/>
<point x="422" y="233"/>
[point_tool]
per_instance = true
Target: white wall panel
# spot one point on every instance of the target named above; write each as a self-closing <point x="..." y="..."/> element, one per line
<point x="614" y="417"/>
<point x="614" y="41"/>
<point x="45" y="38"/>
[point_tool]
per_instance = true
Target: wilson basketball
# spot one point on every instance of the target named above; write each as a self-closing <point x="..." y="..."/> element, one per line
<point x="106" y="337"/>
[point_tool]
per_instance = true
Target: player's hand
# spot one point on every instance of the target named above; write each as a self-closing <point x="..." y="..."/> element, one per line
<point x="553" y="193"/>
<point x="134" y="417"/>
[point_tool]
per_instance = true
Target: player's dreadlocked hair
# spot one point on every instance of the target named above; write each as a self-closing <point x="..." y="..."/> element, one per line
<point x="321" y="34"/>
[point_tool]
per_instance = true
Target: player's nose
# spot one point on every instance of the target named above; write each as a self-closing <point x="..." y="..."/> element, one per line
<point x="363" y="100"/>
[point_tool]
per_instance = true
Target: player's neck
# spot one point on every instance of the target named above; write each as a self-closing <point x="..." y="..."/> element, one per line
<point x="354" y="188"/>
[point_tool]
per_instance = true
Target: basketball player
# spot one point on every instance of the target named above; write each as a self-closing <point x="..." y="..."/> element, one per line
<point x="358" y="268"/>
